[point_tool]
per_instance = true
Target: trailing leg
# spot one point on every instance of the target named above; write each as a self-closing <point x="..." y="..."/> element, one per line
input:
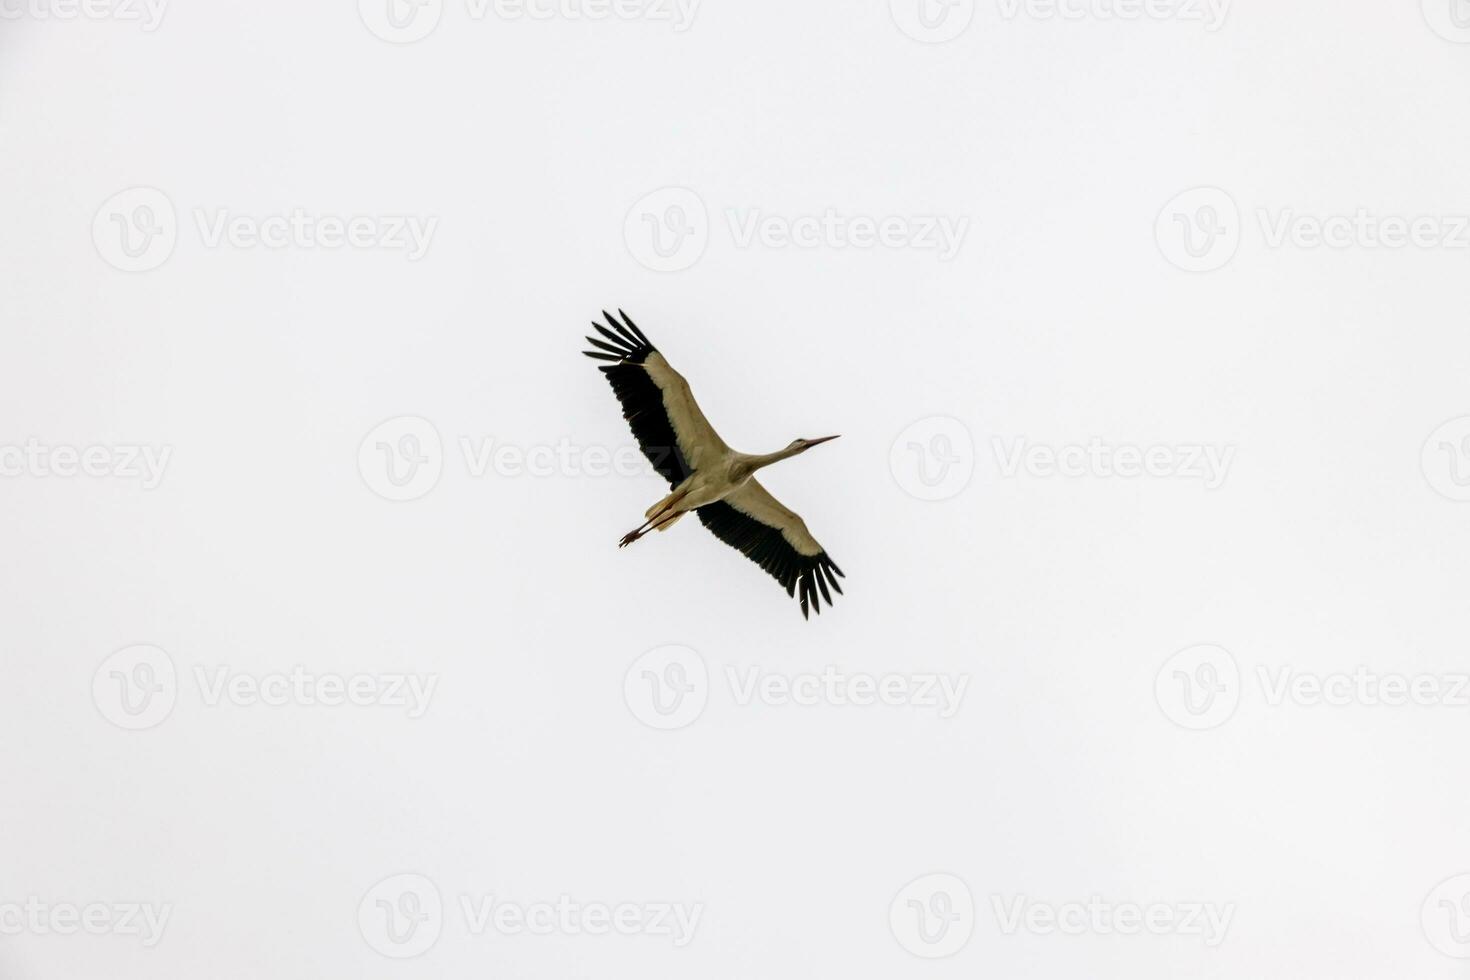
<point x="658" y="524"/>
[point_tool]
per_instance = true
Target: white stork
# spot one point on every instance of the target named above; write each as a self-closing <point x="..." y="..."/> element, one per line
<point x="707" y="476"/>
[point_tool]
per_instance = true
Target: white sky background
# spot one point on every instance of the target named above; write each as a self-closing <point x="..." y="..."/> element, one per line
<point x="1062" y="319"/>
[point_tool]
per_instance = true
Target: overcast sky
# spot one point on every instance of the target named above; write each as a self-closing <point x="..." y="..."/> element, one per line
<point x="1146" y="339"/>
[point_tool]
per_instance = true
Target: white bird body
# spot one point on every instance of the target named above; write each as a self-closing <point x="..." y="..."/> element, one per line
<point x="708" y="477"/>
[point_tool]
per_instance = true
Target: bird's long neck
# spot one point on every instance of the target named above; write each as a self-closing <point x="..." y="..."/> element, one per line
<point x="753" y="463"/>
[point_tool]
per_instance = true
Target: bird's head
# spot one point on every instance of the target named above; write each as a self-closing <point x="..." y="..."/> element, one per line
<point x="802" y="445"/>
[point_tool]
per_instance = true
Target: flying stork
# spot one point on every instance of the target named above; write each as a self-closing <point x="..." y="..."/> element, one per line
<point x="707" y="476"/>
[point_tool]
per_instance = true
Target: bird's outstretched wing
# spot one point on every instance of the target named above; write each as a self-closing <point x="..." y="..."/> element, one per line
<point x="671" y="430"/>
<point x="753" y="521"/>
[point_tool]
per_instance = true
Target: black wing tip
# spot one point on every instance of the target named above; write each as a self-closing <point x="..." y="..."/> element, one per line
<point x="634" y="327"/>
<point x="624" y="331"/>
<point x="810" y="579"/>
<point x="628" y="346"/>
<point x="814" y="581"/>
<point x="821" y="581"/>
<point x="623" y="337"/>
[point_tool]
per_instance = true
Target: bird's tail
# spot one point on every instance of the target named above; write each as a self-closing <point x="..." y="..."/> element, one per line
<point x="665" y="504"/>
